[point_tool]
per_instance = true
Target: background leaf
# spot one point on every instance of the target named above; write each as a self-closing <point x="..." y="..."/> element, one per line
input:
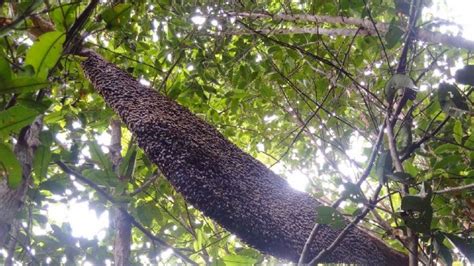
<point x="10" y="168"/>
<point x="45" y="52"/>
<point x="15" y="118"/>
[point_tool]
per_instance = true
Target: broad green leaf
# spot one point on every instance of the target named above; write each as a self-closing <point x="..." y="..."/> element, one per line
<point x="329" y="216"/>
<point x="116" y="15"/>
<point x="15" y="118"/>
<point x="393" y="35"/>
<point x="465" y="75"/>
<point x="414" y="203"/>
<point x="448" y="161"/>
<point x="464" y="245"/>
<point x="45" y="52"/>
<point x="457" y="131"/>
<point x="39" y="106"/>
<point x="451" y="100"/>
<point x="398" y="82"/>
<point x="418" y="212"/>
<point x="405" y="137"/>
<point x="441" y="250"/>
<point x="23" y="85"/>
<point x="127" y="166"/>
<point x="56" y="184"/>
<point x="353" y="192"/>
<point x="197" y="244"/>
<point x="42" y="155"/>
<point x="10" y="168"/>
<point x="238" y="260"/>
<point x="146" y="213"/>
<point x="64" y="16"/>
<point x="383" y="166"/>
<point x="5" y="70"/>
<point x="446" y="148"/>
<point x="100" y="177"/>
<point x="101" y="158"/>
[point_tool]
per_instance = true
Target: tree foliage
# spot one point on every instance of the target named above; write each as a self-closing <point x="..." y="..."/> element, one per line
<point x="300" y="102"/>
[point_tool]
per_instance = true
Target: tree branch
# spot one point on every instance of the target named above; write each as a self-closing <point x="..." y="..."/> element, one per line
<point x="344" y="232"/>
<point x="368" y="28"/>
<point x="455" y="189"/>
<point x="140" y="227"/>
<point x="364" y="176"/>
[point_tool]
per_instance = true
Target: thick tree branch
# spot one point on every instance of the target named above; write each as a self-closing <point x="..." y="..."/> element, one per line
<point x="366" y="26"/>
<point x="73" y="42"/>
<point x="221" y="180"/>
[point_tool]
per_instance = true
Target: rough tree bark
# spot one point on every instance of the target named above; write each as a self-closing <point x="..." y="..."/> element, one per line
<point x="11" y="200"/>
<point x="221" y="180"/>
<point x="121" y="222"/>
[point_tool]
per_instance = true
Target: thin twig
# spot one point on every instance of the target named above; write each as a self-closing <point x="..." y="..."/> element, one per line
<point x="314" y="57"/>
<point x="374" y="24"/>
<point x="348" y="227"/>
<point x="364" y="176"/>
<point x="144" y="185"/>
<point x="455" y="189"/>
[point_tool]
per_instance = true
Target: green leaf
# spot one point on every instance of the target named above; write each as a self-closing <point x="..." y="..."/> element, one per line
<point x="401" y="177"/>
<point x="405" y="137"/>
<point x="418" y="212"/>
<point x="457" y="131"/>
<point x="15" y="118"/>
<point x="441" y="250"/>
<point x="42" y="155"/>
<point x="414" y="203"/>
<point x="117" y="15"/>
<point x="197" y="244"/>
<point x="329" y="216"/>
<point x="446" y="148"/>
<point x="10" y="167"/>
<point x="353" y="192"/>
<point x="99" y="177"/>
<point x="45" y="52"/>
<point x="64" y="15"/>
<point x="384" y="166"/>
<point x="393" y="35"/>
<point x="465" y="75"/>
<point x="464" y="245"/>
<point x="99" y="157"/>
<point x="451" y="100"/>
<point x="238" y="260"/>
<point x="146" y="212"/>
<point x="127" y="166"/>
<point x="398" y="82"/>
<point x="23" y="85"/>
<point x="56" y="184"/>
<point x="5" y="70"/>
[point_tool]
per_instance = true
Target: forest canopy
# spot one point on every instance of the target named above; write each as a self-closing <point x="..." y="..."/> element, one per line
<point x="366" y="105"/>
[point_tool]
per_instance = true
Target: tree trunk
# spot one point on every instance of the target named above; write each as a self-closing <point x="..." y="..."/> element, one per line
<point x="221" y="180"/>
<point x="11" y="200"/>
<point x="121" y="223"/>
